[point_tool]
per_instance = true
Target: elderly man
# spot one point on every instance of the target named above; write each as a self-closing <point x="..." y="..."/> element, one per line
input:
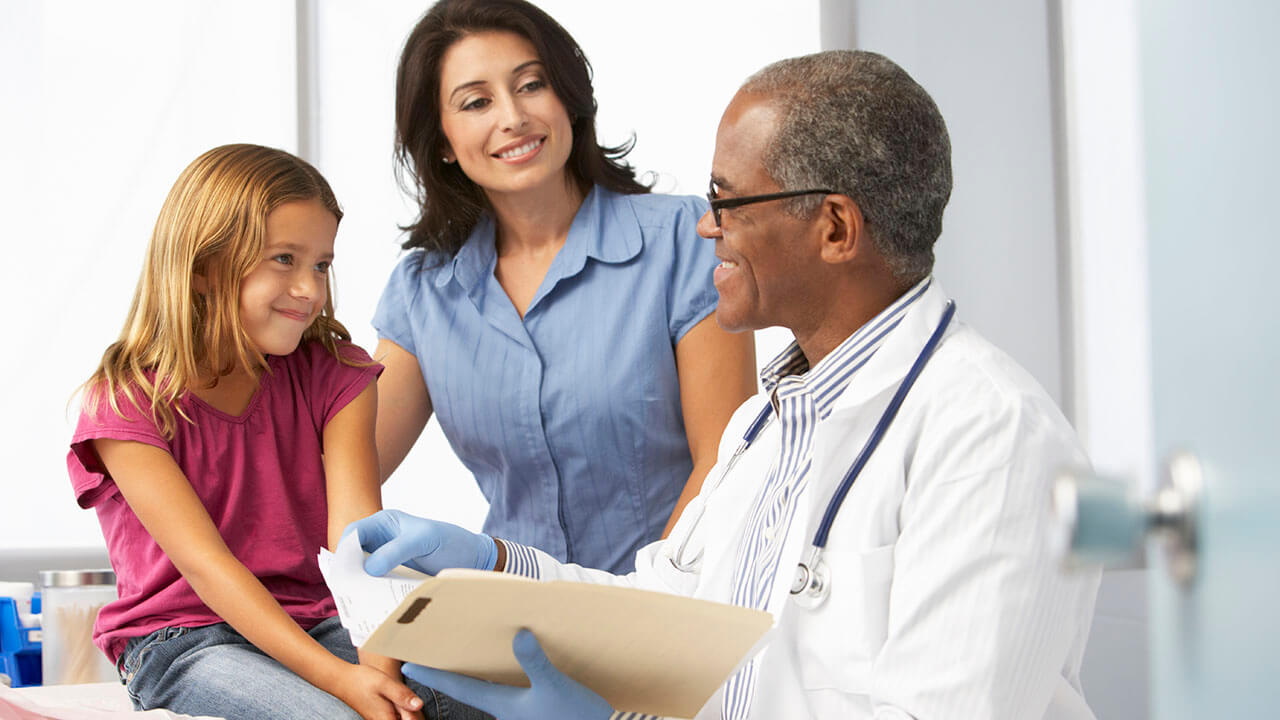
<point x="940" y="597"/>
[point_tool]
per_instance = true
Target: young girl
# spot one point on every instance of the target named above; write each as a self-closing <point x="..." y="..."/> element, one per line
<point x="225" y="437"/>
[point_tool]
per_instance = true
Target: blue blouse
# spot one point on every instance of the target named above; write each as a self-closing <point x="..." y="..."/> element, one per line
<point x="570" y="419"/>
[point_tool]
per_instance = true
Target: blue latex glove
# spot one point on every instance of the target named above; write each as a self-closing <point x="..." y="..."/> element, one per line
<point x="398" y="538"/>
<point x="551" y="694"/>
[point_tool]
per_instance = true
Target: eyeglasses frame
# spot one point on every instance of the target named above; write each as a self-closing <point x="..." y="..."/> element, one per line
<point x="718" y="203"/>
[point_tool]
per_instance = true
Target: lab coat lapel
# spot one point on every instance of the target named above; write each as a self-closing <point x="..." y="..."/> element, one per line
<point x="841" y="436"/>
<point x="900" y="349"/>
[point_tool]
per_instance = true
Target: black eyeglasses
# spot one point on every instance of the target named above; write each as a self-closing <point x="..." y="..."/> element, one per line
<point x="718" y="203"/>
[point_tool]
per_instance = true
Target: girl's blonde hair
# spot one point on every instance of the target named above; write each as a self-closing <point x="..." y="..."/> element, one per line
<point x="213" y="224"/>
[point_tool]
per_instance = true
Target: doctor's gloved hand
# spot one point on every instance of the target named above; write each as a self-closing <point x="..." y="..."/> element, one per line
<point x="398" y="538"/>
<point x="551" y="693"/>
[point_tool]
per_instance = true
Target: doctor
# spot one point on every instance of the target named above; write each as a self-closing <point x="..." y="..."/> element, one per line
<point x="934" y="594"/>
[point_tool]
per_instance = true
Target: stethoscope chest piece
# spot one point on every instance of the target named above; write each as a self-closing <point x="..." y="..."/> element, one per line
<point x="812" y="582"/>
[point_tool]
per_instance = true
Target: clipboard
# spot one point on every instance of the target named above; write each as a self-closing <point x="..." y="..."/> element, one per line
<point x="642" y="651"/>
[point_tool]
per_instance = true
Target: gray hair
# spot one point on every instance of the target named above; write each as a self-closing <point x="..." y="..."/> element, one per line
<point x="856" y="123"/>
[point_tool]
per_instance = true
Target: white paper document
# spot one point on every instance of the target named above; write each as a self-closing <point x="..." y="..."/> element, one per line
<point x="642" y="651"/>
<point x="364" y="601"/>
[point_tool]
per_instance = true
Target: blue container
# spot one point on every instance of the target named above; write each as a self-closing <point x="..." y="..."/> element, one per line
<point x="19" y="645"/>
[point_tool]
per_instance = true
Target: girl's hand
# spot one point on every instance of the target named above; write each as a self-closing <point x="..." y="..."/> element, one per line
<point x="389" y="667"/>
<point x="375" y="696"/>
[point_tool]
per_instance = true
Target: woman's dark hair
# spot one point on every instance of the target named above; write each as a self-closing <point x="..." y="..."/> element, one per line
<point x="449" y="202"/>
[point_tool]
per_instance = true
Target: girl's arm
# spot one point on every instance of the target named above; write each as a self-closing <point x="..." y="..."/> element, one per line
<point x="717" y="373"/>
<point x="405" y="407"/>
<point x="352" y="484"/>
<point x="161" y="496"/>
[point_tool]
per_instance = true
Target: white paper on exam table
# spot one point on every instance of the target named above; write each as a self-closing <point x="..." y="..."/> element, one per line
<point x="92" y="701"/>
<point x="642" y="651"/>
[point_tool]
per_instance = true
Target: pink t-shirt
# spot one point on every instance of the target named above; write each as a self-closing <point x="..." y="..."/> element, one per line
<point x="259" y="475"/>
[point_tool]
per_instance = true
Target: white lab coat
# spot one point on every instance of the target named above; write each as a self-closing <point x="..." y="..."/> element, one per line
<point x="945" y="601"/>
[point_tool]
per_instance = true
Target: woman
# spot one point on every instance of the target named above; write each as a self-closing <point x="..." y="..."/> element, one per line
<point x="554" y="315"/>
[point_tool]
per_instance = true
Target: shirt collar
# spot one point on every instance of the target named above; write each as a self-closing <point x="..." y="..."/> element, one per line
<point x="603" y="229"/>
<point x="826" y="380"/>
<point x="606" y="228"/>
<point x="475" y="259"/>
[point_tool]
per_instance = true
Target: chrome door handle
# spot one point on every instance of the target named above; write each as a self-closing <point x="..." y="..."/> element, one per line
<point x="1102" y="520"/>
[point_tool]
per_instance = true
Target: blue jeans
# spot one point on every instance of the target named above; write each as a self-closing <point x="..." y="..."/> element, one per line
<point x="213" y="670"/>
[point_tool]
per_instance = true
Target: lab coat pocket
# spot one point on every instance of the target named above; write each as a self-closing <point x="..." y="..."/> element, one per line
<point x="839" y="639"/>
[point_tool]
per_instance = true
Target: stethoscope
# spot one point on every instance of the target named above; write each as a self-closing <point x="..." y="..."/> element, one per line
<point x="811" y="586"/>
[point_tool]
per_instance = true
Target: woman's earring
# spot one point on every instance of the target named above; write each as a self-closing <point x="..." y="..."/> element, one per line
<point x="447" y="159"/>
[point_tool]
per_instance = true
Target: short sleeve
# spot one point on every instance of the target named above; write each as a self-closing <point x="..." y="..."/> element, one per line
<point x="89" y="478"/>
<point x="392" y="317"/>
<point x="334" y="384"/>
<point x="691" y="294"/>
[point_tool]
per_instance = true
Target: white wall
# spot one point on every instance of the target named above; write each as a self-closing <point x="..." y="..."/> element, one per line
<point x="1111" y="306"/>
<point x="101" y="107"/>
<point x="1103" y="118"/>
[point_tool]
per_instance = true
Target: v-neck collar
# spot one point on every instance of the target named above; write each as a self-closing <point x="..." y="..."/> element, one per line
<point x="254" y="400"/>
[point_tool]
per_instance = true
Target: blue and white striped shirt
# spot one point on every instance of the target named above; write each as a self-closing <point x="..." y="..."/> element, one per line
<point x="802" y="397"/>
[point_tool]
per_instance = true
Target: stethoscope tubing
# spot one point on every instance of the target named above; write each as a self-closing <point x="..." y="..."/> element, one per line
<point x="882" y="427"/>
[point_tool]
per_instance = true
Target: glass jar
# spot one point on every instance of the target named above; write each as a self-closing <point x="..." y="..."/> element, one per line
<point x="70" y="602"/>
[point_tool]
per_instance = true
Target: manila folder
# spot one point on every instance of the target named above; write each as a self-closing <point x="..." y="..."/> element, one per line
<point x="642" y="651"/>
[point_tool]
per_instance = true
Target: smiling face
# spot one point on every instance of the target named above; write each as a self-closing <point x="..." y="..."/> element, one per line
<point x="767" y="267"/>
<point x="505" y="126"/>
<point x="283" y="295"/>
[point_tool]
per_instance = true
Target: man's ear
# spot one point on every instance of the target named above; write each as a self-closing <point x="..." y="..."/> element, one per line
<point x="844" y="234"/>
